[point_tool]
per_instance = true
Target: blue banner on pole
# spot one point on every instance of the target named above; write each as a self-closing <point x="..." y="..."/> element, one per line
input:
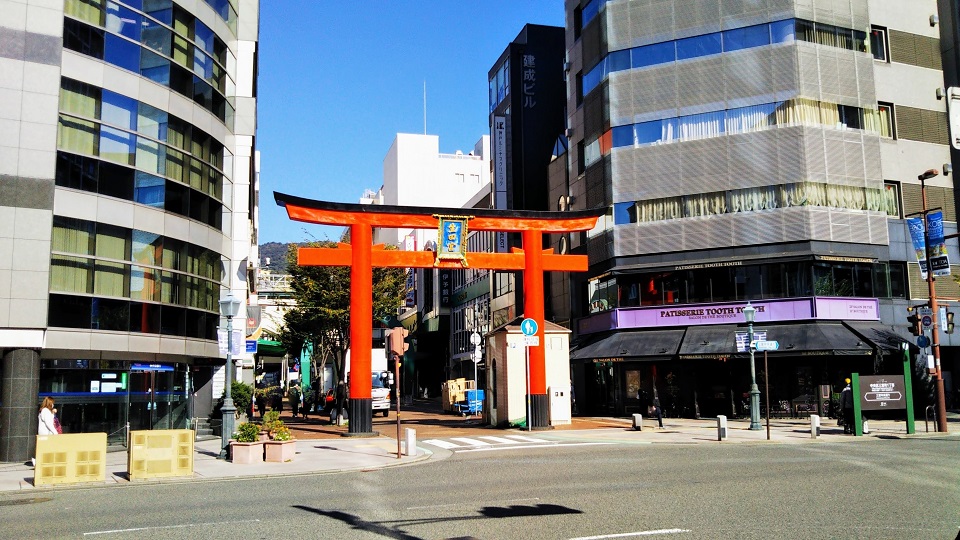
<point x="939" y="261"/>
<point x="919" y="245"/>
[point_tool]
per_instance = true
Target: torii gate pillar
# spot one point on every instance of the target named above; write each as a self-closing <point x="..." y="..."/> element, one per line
<point x="360" y="405"/>
<point x="533" y="309"/>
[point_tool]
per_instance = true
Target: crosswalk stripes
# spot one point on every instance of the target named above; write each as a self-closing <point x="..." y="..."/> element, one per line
<point x="461" y="443"/>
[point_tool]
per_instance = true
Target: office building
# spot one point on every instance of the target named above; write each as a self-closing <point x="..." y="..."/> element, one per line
<point x="762" y="152"/>
<point x="127" y="177"/>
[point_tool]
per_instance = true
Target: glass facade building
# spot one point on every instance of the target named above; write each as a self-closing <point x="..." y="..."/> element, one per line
<point x="130" y="193"/>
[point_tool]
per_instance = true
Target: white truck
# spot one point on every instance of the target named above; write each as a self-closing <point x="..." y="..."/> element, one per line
<point x="380" y="380"/>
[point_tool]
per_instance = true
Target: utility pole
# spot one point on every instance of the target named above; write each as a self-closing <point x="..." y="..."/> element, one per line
<point x="934" y="328"/>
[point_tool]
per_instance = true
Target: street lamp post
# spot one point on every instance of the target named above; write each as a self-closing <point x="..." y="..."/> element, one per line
<point x="932" y="290"/>
<point x="749" y="312"/>
<point x="229" y="307"/>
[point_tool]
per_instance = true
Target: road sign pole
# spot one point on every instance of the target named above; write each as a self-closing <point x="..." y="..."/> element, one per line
<point x="766" y="391"/>
<point x="526" y="350"/>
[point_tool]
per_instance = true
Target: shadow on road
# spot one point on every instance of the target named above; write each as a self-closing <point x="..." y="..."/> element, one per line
<point x="391" y="529"/>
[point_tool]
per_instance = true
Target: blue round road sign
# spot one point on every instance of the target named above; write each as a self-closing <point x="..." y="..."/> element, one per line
<point x="923" y="341"/>
<point x="529" y="327"/>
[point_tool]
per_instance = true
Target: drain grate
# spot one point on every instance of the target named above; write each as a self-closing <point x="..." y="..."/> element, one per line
<point x="33" y="500"/>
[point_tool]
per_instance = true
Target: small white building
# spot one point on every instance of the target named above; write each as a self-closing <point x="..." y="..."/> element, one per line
<point x="506" y="387"/>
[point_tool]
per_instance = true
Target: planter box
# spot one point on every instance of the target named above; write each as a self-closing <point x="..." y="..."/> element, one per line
<point x="280" y="451"/>
<point x="246" y="452"/>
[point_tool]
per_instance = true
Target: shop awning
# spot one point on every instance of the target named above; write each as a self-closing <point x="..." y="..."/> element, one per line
<point x="715" y="341"/>
<point x="266" y="347"/>
<point x="795" y="339"/>
<point x="817" y="338"/>
<point x="656" y="343"/>
<point x="887" y="338"/>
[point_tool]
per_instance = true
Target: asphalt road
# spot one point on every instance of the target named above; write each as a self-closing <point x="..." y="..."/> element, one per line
<point x="876" y="489"/>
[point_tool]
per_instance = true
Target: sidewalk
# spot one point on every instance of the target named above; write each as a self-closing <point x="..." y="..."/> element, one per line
<point x="331" y="453"/>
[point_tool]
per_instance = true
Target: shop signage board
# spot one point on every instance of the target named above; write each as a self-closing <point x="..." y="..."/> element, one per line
<point x="882" y="392"/>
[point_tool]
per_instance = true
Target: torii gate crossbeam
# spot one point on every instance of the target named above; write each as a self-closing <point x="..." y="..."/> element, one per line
<point x="361" y="255"/>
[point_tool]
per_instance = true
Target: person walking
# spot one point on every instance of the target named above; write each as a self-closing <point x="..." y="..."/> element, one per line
<point x="846" y="405"/>
<point x="47" y="418"/>
<point x="47" y="422"/>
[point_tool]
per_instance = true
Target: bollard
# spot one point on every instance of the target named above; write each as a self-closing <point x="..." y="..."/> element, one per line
<point x="814" y="425"/>
<point x="721" y="428"/>
<point x="410" y="435"/>
<point x="866" y="427"/>
<point x="638" y="422"/>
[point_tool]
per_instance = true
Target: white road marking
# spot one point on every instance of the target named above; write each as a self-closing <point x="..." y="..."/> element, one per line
<point x="469" y="441"/>
<point x="638" y="533"/>
<point x="441" y="443"/>
<point x="184" y="526"/>
<point x="521" y="446"/>
<point x="527" y="439"/>
<point x="499" y="440"/>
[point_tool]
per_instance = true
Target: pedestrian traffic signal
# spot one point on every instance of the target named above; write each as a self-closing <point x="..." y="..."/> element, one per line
<point x="949" y="328"/>
<point x="913" y="322"/>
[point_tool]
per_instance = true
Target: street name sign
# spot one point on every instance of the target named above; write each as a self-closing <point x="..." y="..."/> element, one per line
<point x="763" y="345"/>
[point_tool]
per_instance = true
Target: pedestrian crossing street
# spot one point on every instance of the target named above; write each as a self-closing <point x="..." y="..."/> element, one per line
<point x="485" y="442"/>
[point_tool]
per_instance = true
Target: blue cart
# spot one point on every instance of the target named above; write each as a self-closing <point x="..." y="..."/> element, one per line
<point x="473" y="404"/>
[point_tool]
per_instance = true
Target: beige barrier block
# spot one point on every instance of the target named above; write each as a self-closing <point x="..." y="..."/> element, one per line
<point x="160" y="453"/>
<point x="70" y="459"/>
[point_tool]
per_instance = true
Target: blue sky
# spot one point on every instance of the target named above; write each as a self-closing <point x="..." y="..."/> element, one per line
<point x="339" y="80"/>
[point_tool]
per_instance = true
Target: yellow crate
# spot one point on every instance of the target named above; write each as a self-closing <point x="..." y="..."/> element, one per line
<point x="70" y="458"/>
<point x="160" y="453"/>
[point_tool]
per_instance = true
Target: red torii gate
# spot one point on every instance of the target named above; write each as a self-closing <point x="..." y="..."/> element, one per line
<point x="361" y="256"/>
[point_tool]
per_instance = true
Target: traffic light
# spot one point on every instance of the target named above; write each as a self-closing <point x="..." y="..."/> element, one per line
<point x="949" y="328"/>
<point x="396" y="341"/>
<point x="913" y="322"/>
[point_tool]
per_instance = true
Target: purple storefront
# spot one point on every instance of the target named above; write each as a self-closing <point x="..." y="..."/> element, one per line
<point x="694" y="359"/>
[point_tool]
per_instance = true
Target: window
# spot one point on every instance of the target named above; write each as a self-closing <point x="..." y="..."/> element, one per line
<point x="886" y="120"/>
<point x="745" y="38"/>
<point x="891" y="199"/>
<point x="651" y="55"/>
<point x="697" y="46"/>
<point x="577" y="22"/>
<point x="878" y="43"/>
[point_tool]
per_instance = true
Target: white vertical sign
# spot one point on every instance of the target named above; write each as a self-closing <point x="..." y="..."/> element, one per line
<point x="500" y="174"/>
<point x="953" y="113"/>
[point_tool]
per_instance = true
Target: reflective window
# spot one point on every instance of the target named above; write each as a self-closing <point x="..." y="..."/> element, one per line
<point x="149" y="190"/>
<point x="162" y="10"/>
<point x="116" y="145"/>
<point x="618" y="61"/>
<point x="157" y="37"/>
<point x="650" y="55"/>
<point x="152" y="121"/>
<point x="118" y="110"/>
<point x="123" y="21"/>
<point x="155" y="67"/>
<point x="694" y="47"/>
<point x="783" y="31"/>
<point x="745" y="38"/>
<point x="121" y="53"/>
<point x="204" y="37"/>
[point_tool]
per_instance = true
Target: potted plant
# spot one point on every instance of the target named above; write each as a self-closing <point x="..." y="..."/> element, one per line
<point x="271" y="420"/>
<point x="246" y="446"/>
<point x="282" y="446"/>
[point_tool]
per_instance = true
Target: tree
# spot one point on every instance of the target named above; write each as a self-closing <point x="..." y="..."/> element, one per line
<point x="322" y="312"/>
